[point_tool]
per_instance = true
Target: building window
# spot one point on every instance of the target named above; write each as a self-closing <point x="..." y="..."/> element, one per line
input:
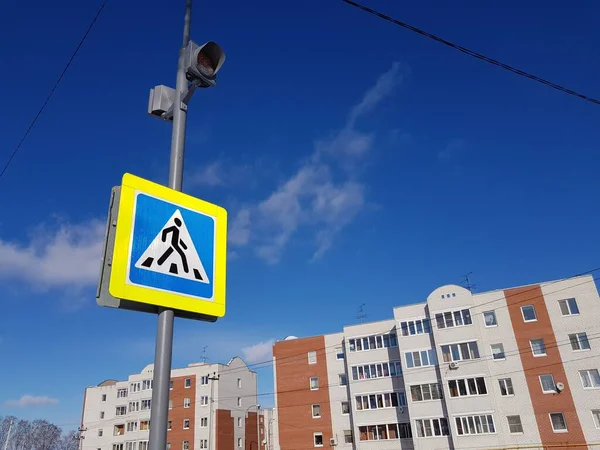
<point x="451" y="319"/>
<point x="239" y="401"/>
<point x="314" y="383"/>
<point x="203" y="422"/>
<point x="348" y="437"/>
<point x="568" y="307"/>
<point x="144" y="425"/>
<point x="590" y="378"/>
<point x="121" y="393"/>
<point x="186" y="402"/>
<point x="380" y="401"/>
<point x="459" y="352"/>
<point x="312" y="357"/>
<point x="117" y="446"/>
<point x="548" y="385"/>
<point x="489" y="318"/>
<point x="377" y="370"/>
<point x="412" y="327"/>
<point x="579" y="341"/>
<point x="239" y="422"/>
<point x="132" y="426"/>
<point x="316" y="411"/>
<point x="420" y="358"/>
<point x="506" y="387"/>
<point x="432" y="427"/>
<point x="343" y="379"/>
<point x="204" y="400"/>
<point x="171" y="384"/>
<point x="559" y="424"/>
<point x="345" y="407"/>
<point x="240" y="443"/>
<point x="339" y="353"/>
<point x="170" y="403"/>
<point x="186" y="424"/>
<point x="498" y="351"/>
<point x="385" y="432"/>
<point x="425" y="392"/>
<point x="373" y="342"/>
<point x="528" y="313"/>
<point x="134" y="406"/>
<point x="188" y="383"/>
<point x="514" y="424"/>
<point x="204" y="380"/>
<point x="143" y="445"/>
<point x="146" y="404"/>
<point x="103" y="397"/>
<point x="146" y="384"/>
<point x="318" y="439"/>
<point x="169" y="425"/>
<point x="538" y="347"/>
<point x="100" y="432"/>
<point x="596" y="417"/>
<point x="135" y="387"/>
<point x="239" y="383"/>
<point x="131" y="445"/>
<point x="121" y="410"/>
<point x="185" y="445"/>
<point x="119" y="430"/>
<point x="467" y="387"/>
<point x="479" y="424"/>
<point x="102" y="414"/>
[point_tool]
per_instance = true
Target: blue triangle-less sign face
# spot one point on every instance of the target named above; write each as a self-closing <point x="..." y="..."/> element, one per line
<point x="172" y="248"/>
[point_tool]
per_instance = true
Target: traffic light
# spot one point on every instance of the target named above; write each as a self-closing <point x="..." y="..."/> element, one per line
<point x="202" y="62"/>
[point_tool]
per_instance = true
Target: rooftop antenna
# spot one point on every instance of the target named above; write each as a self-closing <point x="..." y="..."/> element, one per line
<point x="361" y="315"/>
<point x="204" y="354"/>
<point x="467" y="282"/>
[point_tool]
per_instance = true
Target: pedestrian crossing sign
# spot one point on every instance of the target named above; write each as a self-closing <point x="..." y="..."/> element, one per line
<point x="170" y="250"/>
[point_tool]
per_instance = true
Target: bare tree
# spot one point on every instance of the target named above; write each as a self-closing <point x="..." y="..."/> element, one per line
<point x="45" y="435"/>
<point x="68" y="441"/>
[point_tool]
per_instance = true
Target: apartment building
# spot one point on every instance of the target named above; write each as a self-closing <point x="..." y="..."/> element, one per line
<point x="500" y="369"/>
<point x="211" y="406"/>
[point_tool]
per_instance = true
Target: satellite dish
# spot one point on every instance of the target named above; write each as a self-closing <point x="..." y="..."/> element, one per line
<point x="560" y="386"/>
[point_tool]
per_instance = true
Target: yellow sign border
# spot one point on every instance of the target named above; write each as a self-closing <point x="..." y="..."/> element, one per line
<point x="119" y="288"/>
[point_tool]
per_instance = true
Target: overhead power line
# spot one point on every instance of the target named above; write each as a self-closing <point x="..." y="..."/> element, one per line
<point x="474" y="54"/>
<point x="62" y="74"/>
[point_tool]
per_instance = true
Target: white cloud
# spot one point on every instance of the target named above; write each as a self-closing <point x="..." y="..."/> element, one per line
<point x="31" y="400"/>
<point x="239" y="231"/>
<point x="316" y="196"/>
<point x="453" y="149"/>
<point x="67" y="256"/>
<point x="263" y="351"/>
<point x="210" y="175"/>
<point x="383" y="88"/>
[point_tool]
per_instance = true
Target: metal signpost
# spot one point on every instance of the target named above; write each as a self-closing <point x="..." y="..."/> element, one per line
<point x="165" y="252"/>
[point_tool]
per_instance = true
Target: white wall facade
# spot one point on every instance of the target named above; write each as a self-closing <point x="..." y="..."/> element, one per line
<point x="583" y="290"/>
<point x="227" y="391"/>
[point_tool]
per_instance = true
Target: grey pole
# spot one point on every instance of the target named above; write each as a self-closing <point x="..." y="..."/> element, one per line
<point x="164" y="335"/>
<point x="258" y="427"/>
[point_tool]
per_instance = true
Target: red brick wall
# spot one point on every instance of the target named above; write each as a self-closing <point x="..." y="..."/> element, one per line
<point x="177" y="415"/>
<point x="294" y="397"/>
<point x="250" y="441"/>
<point x="543" y="404"/>
<point x="225" y="439"/>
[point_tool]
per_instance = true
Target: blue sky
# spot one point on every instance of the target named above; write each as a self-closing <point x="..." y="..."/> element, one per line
<point x="359" y="163"/>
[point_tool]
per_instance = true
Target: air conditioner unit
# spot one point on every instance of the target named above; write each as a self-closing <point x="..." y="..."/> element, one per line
<point x="453" y="365"/>
<point x="332" y="442"/>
